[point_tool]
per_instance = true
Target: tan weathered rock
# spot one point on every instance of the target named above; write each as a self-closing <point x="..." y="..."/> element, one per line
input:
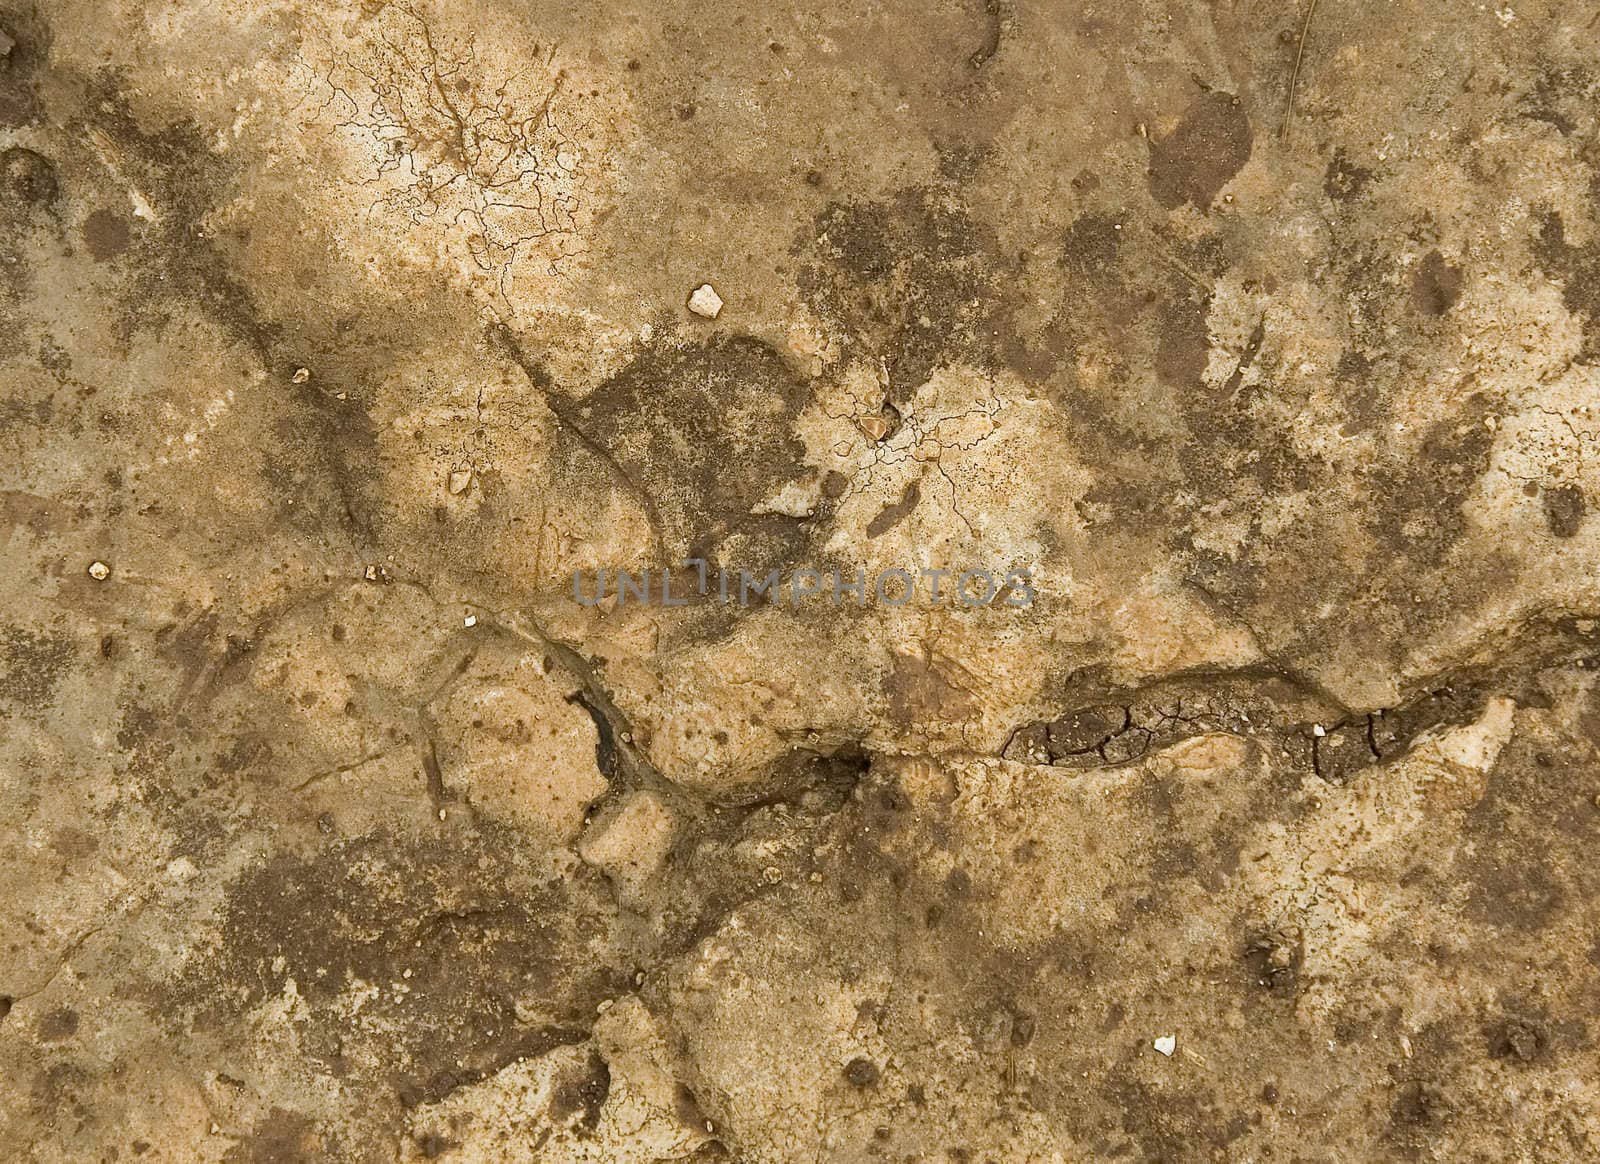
<point x="1247" y="353"/>
<point x="630" y="843"/>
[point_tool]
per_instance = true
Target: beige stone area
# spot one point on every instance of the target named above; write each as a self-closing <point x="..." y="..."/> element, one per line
<point x="1250" y="351"/>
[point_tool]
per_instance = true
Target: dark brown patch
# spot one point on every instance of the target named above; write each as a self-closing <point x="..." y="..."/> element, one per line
<point x="283" y="1137"/>
<point x="106" y="235"/>
<point x="1092" y="247"/>
<point x="1342" y="751"/>
<point x="894" y="513"/>
<point x="1184" y="348"/>
<point x="861" y="1072"/>
<point x="702" y="432"/>
<point x="1436" y="285"/>
<point x="1578" y="269"/>
<point x="32" y="665"/>
<point x="1510" y="888"/>
<point x="1209" y="145"/>
<point x="462" y="922"/>
<point x="29" y="37"/>
<point x="58" y="1024"/>
<point x="1564" y="507"/>
<point x="1344" y="181"/>
<point x="912" y="277"/>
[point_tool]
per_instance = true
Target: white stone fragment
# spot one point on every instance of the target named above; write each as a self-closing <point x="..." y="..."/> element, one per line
<point x="460" y="481"/>
<point x="99" y="571"/>
<point x="470" y="620"/>
<point x="705" y="302"/>
<point x="1166" y="1044"/>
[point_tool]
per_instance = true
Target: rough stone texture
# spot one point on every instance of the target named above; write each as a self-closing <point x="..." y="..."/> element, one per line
<point x="339" y="826"/>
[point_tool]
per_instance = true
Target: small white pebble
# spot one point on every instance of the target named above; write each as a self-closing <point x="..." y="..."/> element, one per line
<point x="705" y="302"/>
<point x="1318" y="730"/>
<point x="460" y="481"/>
<point x="1166" y="1044"/>
<point x="301" y="375"/>
<point x="470" y="620"/>
<point x="99" y="571"/>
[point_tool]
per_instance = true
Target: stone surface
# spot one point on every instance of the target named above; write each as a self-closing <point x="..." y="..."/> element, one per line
<point x="359" y="809"/>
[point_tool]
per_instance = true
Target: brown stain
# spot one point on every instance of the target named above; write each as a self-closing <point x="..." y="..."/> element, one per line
<point x="1209" y="145"/>
<point x="58" y="1025"/>
<point x="895" y="512"/>
<point x="107" y="235"/>
<point x="282" y="1137"/>
<point x="919" y="690"/>
<point x="1436" y="285"/>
